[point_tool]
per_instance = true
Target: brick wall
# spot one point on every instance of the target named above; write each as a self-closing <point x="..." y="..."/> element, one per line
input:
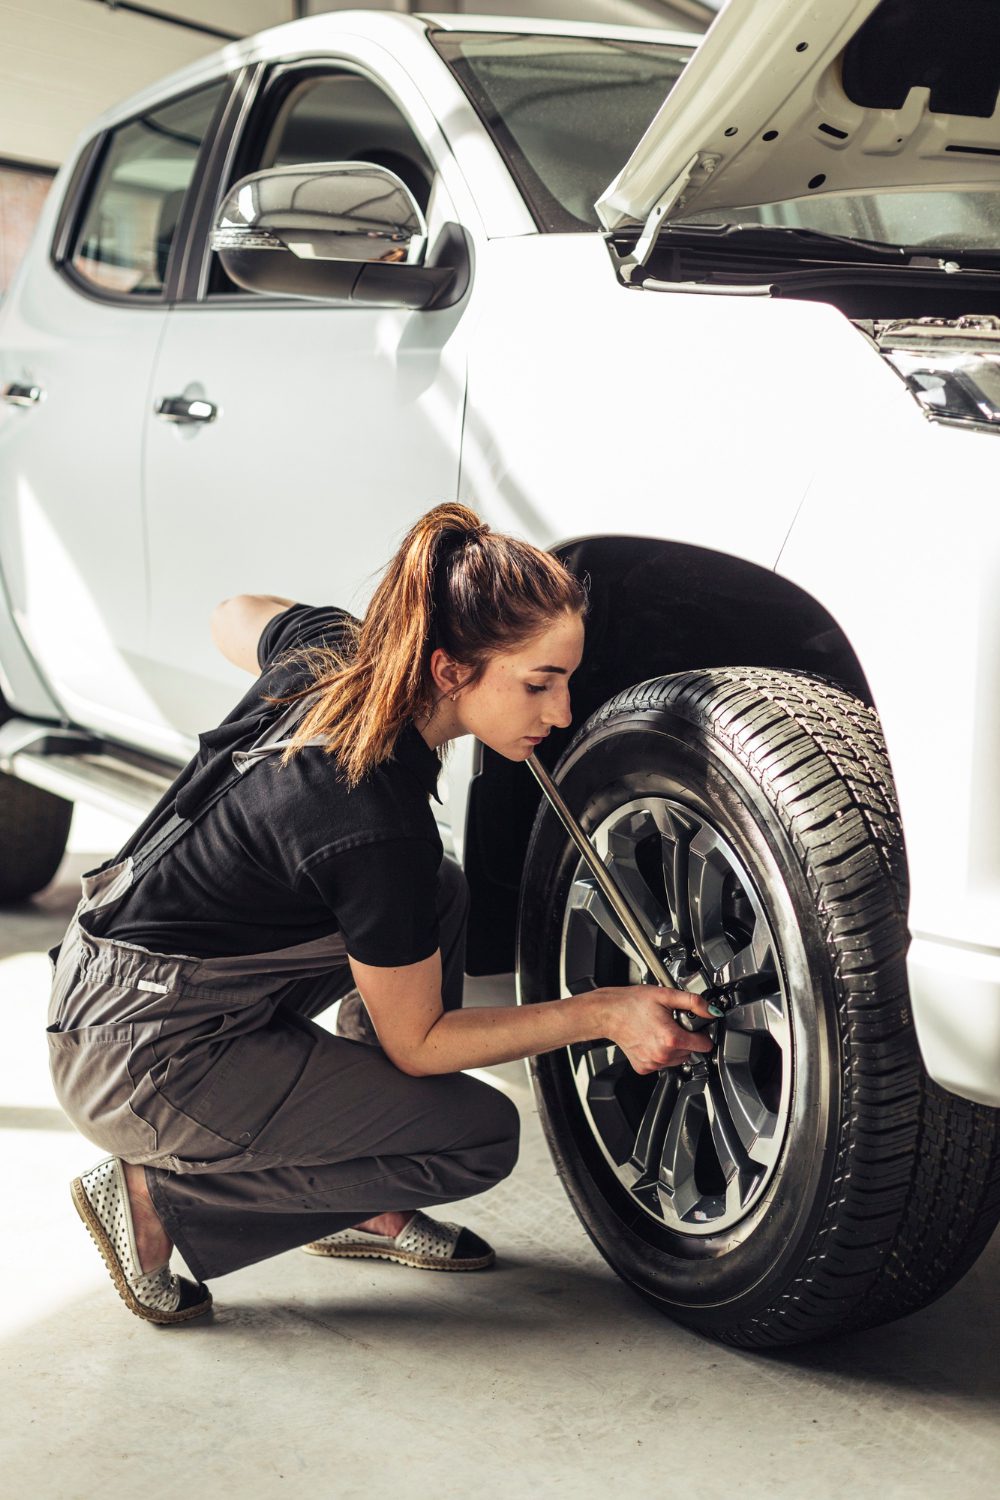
<point x="22" y="194"/>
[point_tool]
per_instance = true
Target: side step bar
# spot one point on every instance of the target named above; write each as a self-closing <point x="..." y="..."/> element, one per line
<point x="82" y="768"/>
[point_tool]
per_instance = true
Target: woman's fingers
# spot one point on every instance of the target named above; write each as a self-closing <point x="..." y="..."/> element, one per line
<point x="672" y="1047"/>
<point x="643" y="1026"/>
<point x="697" y="1005"/>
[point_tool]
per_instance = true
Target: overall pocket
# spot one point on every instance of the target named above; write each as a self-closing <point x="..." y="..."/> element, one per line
<point x="248" y="1079"/>
<point x="90" y="1075"/>
<point x="209" y="1104"/>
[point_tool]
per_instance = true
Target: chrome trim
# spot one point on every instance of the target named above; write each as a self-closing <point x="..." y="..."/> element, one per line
<point x="329" y="211"/>
<point x="16" y="394"/>
<point x="185" y="409"/>
<point x="718" y="289"/>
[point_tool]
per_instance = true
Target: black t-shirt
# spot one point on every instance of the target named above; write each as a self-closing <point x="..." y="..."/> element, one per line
<point x="288" y="854"/>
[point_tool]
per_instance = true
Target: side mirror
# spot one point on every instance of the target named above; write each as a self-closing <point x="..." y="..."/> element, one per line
<point x="350" y="231"/>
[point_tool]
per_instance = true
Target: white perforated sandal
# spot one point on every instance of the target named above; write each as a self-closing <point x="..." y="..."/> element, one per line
<point x="159" y="1296"/>
<point x="425" y="1243"/>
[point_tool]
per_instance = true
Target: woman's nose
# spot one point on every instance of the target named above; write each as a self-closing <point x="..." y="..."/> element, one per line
<point x="559" y="713"/>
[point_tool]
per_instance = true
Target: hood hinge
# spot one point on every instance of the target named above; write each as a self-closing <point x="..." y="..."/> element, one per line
<point x="628" y="265"/>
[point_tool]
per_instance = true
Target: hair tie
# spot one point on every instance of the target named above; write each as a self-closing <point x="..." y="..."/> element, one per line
<point x="457" y="537"/>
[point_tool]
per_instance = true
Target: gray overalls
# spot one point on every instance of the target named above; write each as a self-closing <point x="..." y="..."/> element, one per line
<point x="258" y="1129"/>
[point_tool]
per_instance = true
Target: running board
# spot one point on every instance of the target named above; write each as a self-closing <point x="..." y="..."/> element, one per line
<point x="82" y="768"/>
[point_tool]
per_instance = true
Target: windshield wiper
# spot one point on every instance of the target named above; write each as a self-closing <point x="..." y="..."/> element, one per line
<point x="783" y="237"/>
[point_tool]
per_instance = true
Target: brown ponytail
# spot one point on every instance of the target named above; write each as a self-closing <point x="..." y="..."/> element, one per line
<point x="453" y="584"/>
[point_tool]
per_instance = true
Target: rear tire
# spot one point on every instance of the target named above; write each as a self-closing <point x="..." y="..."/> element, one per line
<point x="34" y="827"/>
<point x="812" y="1180"/>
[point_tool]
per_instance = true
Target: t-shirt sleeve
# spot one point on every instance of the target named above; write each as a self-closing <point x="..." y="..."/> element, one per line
<point x="384" y="896"/>
<point x="300" y="625"/>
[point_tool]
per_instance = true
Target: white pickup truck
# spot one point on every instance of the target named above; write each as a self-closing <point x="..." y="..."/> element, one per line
<point x="718" y="322"/>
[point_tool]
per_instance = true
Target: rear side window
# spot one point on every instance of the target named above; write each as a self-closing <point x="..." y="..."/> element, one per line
<point x="132" y="210"/>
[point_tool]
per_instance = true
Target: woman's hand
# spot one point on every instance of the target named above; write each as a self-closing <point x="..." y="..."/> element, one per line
<point x="641" y="1023"/>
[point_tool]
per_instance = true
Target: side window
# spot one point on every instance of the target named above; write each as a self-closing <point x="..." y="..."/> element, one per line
<point x="334" y="117"/>
<point x="128" y="225"/>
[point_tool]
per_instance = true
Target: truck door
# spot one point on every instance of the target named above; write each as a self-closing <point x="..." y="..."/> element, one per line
<point x="80" y="333"/>
<point x="316" y="433"/>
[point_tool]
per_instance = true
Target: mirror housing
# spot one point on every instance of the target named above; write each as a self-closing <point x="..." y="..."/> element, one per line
<point x="342" y="231"/>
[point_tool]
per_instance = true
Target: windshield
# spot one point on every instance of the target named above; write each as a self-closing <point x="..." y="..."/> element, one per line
<point x="566" y="112"/>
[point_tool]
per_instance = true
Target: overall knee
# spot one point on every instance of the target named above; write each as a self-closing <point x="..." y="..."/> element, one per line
<point x="500" y="1153"/>
<point x="487" y="1151"/>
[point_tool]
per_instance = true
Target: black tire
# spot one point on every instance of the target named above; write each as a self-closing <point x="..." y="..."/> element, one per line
<point x="881" y="1188"/>
<point x="34" y="827"/>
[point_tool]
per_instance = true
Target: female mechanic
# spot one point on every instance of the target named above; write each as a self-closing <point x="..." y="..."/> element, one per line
<point x="295" y="857"/>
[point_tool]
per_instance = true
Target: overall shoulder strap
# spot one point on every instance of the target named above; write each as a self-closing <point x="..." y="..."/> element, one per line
<point x="266" y="744"/>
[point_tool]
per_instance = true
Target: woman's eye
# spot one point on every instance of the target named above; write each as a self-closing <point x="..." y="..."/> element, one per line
<point x="532" y="689"/>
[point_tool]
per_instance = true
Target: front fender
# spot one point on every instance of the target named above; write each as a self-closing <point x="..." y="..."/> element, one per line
<point x="899" y="537"/>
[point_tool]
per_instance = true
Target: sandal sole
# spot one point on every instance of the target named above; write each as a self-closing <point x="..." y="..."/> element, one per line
<point x="95" y="1228"/>
<point x="401" y="1257"/>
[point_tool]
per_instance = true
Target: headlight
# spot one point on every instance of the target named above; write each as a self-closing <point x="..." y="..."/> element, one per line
<point x="951" y="368"/>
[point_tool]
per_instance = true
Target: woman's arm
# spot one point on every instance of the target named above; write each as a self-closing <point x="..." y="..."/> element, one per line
<point x="421" y="1038"/>
<point x="236" y="625"/>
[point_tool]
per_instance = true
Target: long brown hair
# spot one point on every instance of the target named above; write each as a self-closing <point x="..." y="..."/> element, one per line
<point x="453" y="584"/>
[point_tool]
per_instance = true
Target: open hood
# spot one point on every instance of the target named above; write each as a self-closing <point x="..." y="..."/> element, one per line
<point x="791" y="98"/>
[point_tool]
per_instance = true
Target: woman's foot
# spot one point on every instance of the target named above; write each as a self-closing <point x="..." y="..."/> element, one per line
<point x="420" y="1241"/>
<point x="113" y="1202"/>
<point x="151" y="1239"/>
<point x="389" y="1224"/>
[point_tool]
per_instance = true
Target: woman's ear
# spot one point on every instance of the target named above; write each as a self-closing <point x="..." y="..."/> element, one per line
<point x="446" y="674"/>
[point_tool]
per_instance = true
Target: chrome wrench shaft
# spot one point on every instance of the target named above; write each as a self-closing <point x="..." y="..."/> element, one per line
<point x="614" y="897"/>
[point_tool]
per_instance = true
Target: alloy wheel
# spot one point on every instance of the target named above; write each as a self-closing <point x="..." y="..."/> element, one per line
<point x="693" y="1147"/>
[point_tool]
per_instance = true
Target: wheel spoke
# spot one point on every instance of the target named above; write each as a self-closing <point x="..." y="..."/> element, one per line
<point x="647" y="1152"/>
<point x="707" y="870"/>
<point x="739" y="1171"/>
<point x="749" y="1028"/>
<point x="765" y="1015"/>
<point x="676" y="835"/>
<point x="605" y="1080"/>
<point x="622" y="867"/>
<point x="680" y="1147"/>
<point x="587" y="899"/>
<point x="753" y="961"/>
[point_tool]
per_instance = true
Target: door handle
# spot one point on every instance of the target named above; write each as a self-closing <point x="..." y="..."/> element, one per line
<point x="184" y="409"/>
<point x="22" y="395"/>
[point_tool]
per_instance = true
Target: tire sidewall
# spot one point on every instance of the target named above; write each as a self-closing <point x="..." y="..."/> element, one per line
<point x="708" y="1280"/>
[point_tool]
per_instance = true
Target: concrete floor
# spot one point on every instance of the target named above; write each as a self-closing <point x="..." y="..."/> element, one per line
<point x="543" y="1377"/>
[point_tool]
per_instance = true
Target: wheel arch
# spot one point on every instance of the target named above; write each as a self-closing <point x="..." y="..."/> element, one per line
<point x="655" y="607"/>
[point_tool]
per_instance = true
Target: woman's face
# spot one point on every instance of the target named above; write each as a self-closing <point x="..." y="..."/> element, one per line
<point x="522" y="694"/>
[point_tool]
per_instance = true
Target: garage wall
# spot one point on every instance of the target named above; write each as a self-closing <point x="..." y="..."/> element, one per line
<point x="22" y="194"/>
<point x="64" y="61"/>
